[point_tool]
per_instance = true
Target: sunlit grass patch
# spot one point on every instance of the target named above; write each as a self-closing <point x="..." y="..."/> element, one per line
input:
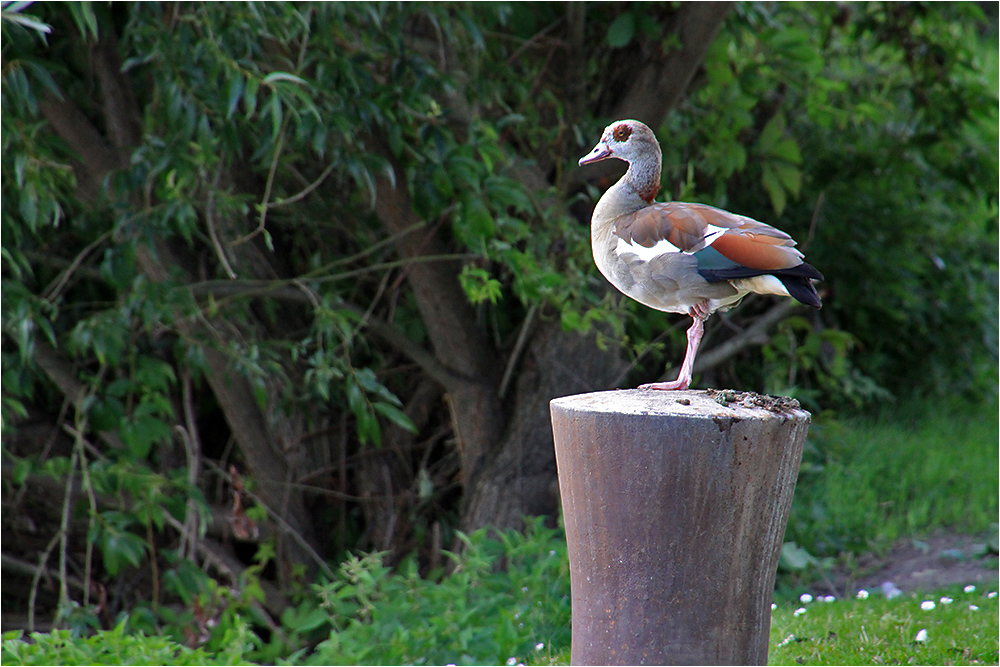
<point x="866" y="483"/>
<point x="951" y="627"/>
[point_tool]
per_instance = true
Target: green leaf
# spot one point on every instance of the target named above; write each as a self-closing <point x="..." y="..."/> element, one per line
<point x="787" y="149"/>
<point x="276" y="116"/>
<point x="21" y="471"/>
<point x="85" y="19"/>
<point x="621" y="30"/>
<point x="396" y="416"/>
<point x="121" y="548"/>
<point x="479" y="285"/>
<point x="774" y="188"/>
<point x="310" y="620"/>
<point x="793" y="557"/>
<point x="788" y="175"/>
<point x="25" y="20"/>
<point x="141" y="432"/>
<point x="235" y="95"/>
<point x="477" y="218"/>
<point x="43" y="76"/>
<point x="274" y="77"/>
<point x="771" y="133"/>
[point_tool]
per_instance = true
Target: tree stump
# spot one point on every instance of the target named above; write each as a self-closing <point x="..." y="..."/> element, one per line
<point x="675" y="505"/>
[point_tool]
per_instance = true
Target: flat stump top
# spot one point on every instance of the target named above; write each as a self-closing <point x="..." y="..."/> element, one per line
<point x="700" y="403"/>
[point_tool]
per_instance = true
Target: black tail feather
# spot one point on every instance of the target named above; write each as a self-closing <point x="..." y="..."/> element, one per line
<point x="801" y="289"/>
<point x="797" y="280"/>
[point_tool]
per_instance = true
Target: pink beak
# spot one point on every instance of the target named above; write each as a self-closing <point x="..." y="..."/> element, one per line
<point x="601" y="151"/>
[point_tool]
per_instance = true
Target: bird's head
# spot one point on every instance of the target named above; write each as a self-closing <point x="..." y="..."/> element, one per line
<point x="626" y="140"/>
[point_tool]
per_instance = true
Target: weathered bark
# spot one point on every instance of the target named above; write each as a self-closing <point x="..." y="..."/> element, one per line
<point x="659" y="81"/>
<point x="521" y="479"/>
<point x="646" y="82"/>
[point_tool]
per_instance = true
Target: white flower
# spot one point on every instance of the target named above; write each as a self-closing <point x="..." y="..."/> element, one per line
<point x="805" y="598"/>
<point x="969" y="589"/>
<point x="828" y="598"/>
<point x="773" y="606"/>
<point x="921" y="635"/>
<point x="991" y="594"/>
<point x="973" y="607"/>
<point x="787" y="640"/>
<point x="511" y="662"/>
<point x="862" y="594"/>
<point x="539" y="646"/>
<point x="552" y="552"/>
<point x="946" y="600"/>
<point x="890" y="591"/>
<point x="927" y="605"/>
<point x="799" y="611"/>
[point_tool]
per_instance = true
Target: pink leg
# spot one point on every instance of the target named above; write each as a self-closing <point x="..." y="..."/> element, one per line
<point x="699" y="313"/>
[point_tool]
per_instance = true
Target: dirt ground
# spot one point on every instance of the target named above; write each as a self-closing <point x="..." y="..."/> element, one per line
<point x="911" y="565"/>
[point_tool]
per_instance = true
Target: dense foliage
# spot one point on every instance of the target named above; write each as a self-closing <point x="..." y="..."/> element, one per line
<point x="282" y="281"/>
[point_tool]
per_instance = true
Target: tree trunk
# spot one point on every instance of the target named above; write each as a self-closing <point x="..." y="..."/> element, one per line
<point x="458" y="341"/>
<point x="521" y="479"/>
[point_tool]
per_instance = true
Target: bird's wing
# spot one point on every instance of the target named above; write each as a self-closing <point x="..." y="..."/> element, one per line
<point x="690" y="228"/>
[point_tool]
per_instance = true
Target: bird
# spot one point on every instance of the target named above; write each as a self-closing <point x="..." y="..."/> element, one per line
<point x="682" y="257"/>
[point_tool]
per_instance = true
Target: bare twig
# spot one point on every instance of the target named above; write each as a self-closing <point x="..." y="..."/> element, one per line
<point x="531" y="40"/>
<point x="515" y="355"/>
<point x="39" y="571"/>
<point x="51" y="293"/>
<point x="305" y="192"/>
<point x="192" y="449"/>
<point x="64" y="601"/>
<point x="286" y="528"/>
<point x="274" y="287"/>
<point x="220" y="252"/>
<point x="262" y="221"/>
<point x="92" y="498"/>
<point x="756" y="334"/>
<point x="814" y="222"/>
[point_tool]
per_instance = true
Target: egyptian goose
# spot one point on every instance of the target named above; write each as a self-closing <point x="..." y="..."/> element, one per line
<point x="684" y="258"/>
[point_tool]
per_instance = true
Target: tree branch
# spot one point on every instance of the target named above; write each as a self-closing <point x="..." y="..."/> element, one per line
<point x="661" y="82"/>
<point x="96" y="158"/>
<point x="754" y="335"/>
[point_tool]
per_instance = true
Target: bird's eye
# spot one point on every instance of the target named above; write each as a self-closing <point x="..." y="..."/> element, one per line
<point x="622" y="133"/>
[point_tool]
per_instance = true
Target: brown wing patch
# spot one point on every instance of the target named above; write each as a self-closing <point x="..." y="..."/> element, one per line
<point x="647" y="226"/>
<point x="757" y="252"/>
<point x="764" y="232"/>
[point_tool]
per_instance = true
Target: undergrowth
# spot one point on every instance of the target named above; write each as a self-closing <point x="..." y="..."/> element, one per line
<point x="506" y="599"/>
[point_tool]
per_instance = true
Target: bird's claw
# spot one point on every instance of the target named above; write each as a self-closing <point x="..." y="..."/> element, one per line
<point x="676" y="385"/>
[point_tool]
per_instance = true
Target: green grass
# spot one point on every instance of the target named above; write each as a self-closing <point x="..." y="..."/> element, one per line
<point x="878" y="631"/>
<point x="867" y="482"/>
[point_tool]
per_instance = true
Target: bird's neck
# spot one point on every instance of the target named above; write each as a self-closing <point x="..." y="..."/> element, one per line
<point x="643" y="176"/>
